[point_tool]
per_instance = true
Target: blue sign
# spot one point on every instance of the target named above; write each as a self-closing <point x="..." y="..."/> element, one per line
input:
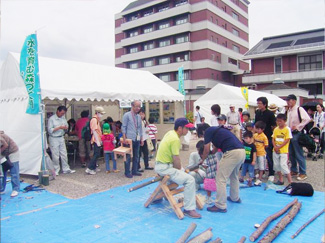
<point x="29" y="71"/>
<point x="181" y="80"/>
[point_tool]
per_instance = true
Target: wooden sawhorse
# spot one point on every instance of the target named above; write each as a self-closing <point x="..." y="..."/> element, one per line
<point x="167" y="191"/>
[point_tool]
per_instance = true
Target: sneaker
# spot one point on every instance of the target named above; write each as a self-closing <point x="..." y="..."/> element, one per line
<point x="238" y="201"/>
<point x="56" y="173"/>
<point x="148" y="168"/>
<point x="209" y="200"/>
<point x="301" y="177"/>
<point x="140" y="170"/>
<point x="137" y="174"/>
<point x="90" y="172"/>
<point x="215" y="209"/>
<point x="14" y="194"/>
<point x="258" y="182"/>
<point x="97" y="170"/>
<point x="129" y="176"/>
<point x="83" y="165"/>
<point x="116" y="171"/>
<point x="108" y="171"/>
<point x="250" y="183"/>
<point x="192" y="214"/>
<point x="293" y="173"/>
<point x="241" y="180"/>
<point x="271" y="178"/>
<point x="69" y="172"/>
<point x="278" y="183"/>
<point x="257" y="176"/>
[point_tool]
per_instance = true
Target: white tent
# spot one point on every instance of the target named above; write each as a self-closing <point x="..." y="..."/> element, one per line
<point x="60" y="79"/>
<point x="224" y="95"/>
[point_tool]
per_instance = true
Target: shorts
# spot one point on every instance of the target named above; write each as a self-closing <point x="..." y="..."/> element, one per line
<point x="247" y="167"/>
<point x="280" y="163"/>
<point x="260" y="162"/>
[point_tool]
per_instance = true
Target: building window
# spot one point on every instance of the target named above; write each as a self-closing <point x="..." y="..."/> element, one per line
<point x="182" y="20"/>
<point x="212" y="57"/>
<point x="235" y="32"/>
<point x="235" y="48"/>
<point x="235" y="16"/>
<point x="148" y="63"/>
<point x="216" y="21"/>
<point x="163" y="25"/>
<point x="314" y="89"/>
<point x="232" y="61"/>
<point x="147" y="29"/>
<point x="181" y="39"/>
<point x="163" y="60"/>
<point x="148" y="46"/>
<point x="186" y="75"/>
<point x="181" y="57"/>
<point x="133" y="65"/>
<point x="133" y="33"/>
<point x="163" y="43"/>
<point x="310" y="62"/>
<point x="211" y="19"/>
<point x="180" y="2"/>
<point x="278" y="65"/>
<point x="147" y="13"/>
<point x="133" y="49"/>
<point x="133" y="17"/>
<point x="163" y="8"/>
<point x="164" y="77"/>
<point x="211" y="38"/>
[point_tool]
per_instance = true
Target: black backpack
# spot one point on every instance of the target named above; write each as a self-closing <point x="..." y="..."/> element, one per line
<point x="298" y="189"/>
<point x="86" y="132"/>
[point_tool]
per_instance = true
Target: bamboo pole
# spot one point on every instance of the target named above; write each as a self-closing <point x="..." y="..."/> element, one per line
<point x="268" y="220"/>
<point x="203" y="237"/>
<point x="187" y="233"/>
<point x="305" y="225"/>
<point x="242" y="239"/>
<point x="273" y="233"/>
<point x="218" y="240"/>
<point x="157" y="178"/>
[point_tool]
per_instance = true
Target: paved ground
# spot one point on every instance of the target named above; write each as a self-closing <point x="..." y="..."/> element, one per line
<point x="81" y="184"/>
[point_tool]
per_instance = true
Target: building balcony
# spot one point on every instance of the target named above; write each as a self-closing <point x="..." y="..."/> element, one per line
<point x="167" y="68"/>
<point x="173" y="30"/>
<point x="286" y="77"/>
<point x="186" y="8"/>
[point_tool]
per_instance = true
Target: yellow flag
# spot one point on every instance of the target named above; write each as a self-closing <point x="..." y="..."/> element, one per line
<point x="244" y="91"/>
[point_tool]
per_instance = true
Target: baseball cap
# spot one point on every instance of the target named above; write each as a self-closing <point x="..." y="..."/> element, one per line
<point x="100" y="110"/>
<point x="291" y="97"/>
<point x="182" y="122"/>
<point x="231" y="105"/>
<point x="222" y="117"/>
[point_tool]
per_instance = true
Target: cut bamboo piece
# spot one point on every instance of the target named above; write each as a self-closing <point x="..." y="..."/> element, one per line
<point x="305" y="225"/>
<point x="268" y="220"/>
<point x="187" y="233"/>
<point x="242" y="239"/>
<point x="218" y="240"/>
<point x="157" y="178"/>
<point x="203" y="237"/>
<point x="273" y="233"/>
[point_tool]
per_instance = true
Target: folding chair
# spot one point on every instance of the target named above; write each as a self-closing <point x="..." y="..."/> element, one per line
<point x="123" y="150"/>
<point x="167" y="191"/>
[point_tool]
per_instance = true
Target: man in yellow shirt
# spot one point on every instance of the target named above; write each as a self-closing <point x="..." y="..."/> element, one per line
<point x="168" y="163"/>
<point x="281" y="140"/>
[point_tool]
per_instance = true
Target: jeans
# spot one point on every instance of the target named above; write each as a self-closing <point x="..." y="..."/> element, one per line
<point x="296" y="154"/>
<point x="269" y="157"/>
<point x="93" y="161"/>
<point x="135" y="159"/>
<point x="229" y="167"/>
<point x="247" y="167"/>
<point x="144" y="150"/>
<point x="181" y="178"/>
<point x="15" y="179"/>
<point x="108" y="156"/>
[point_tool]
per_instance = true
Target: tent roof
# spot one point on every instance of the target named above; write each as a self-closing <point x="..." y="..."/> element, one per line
<point x="61" y="79"/>
<point x="225" y="95"/>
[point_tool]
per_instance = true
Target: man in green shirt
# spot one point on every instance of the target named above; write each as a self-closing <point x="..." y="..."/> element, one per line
<point x="168" y="163"/>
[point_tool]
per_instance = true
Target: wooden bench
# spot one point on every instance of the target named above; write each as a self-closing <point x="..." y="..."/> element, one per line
<point x="168" y="191"/>
<point x="123" y="150"/>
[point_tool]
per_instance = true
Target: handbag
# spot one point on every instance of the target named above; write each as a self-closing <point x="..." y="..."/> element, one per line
<point x="150" y="144"/>
<point x="209" y="184"/>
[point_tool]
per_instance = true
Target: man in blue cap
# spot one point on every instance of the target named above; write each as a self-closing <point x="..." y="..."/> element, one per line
<point x="168" y="163"/>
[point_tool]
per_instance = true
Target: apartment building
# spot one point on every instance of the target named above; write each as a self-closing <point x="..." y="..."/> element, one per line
<point x="207" y="38"/>
<point x="296" y="59"/>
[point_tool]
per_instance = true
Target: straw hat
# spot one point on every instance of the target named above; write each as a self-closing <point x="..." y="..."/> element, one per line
<point x="273" y="107"/>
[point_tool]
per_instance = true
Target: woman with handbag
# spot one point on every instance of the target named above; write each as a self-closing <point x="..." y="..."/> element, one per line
<point x="144" y="149"/>
<point x="10" y="152"/>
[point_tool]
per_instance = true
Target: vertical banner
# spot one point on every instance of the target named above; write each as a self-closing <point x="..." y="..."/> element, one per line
<point x="244" y="91"/>
<point x="181" y="85"/>
<point x="29" y="71"/>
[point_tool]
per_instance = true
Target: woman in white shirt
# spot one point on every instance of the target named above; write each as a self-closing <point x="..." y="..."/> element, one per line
<point x="319" y="121"/>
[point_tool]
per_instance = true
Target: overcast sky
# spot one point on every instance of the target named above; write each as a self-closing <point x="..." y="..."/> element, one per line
<point x="83" y="30"/>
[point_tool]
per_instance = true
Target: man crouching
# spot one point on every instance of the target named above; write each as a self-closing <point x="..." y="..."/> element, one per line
<point x="168" y="163"/>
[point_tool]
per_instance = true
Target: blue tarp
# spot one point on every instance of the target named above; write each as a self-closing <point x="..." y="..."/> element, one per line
<point x="119" y="216"/>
